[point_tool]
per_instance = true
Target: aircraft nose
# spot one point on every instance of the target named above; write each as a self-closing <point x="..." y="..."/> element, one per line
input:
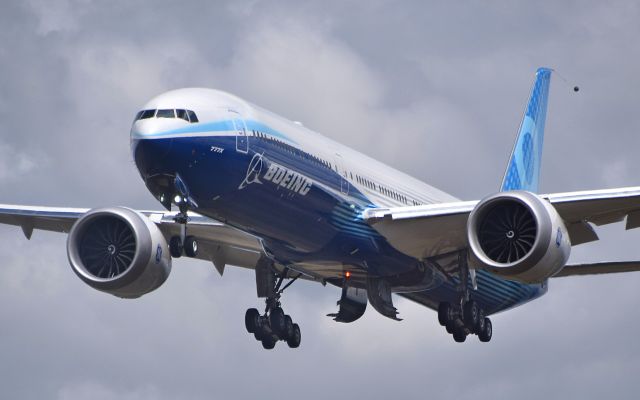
<point x="150" y="154"/>
<point x="149" y="145"/>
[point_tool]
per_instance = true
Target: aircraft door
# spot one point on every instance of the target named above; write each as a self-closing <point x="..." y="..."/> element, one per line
<point x="342" y="173"/>
<point x="240" y="128"/>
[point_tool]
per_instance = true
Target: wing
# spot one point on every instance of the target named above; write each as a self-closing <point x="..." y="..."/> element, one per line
<point x="436" y="229"/>
<point x="218" y="243"/>
<point x="599" y="268"/>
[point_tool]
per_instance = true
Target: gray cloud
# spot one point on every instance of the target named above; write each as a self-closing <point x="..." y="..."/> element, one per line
<point x="435" y="91"/>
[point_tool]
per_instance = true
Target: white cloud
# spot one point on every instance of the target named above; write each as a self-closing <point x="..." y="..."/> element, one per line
<point x="98" y="391"/>
<point x="615" y="173"/>
<point x="57" y="16"/>
<point x="15" y="163"/>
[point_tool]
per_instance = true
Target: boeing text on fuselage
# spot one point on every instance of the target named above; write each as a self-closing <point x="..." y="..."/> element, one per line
<point x="277" y="174"/>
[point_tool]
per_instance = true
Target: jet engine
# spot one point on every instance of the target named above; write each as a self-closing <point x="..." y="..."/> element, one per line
<point x="519" y="236"/>
<point x="119" y="251"/>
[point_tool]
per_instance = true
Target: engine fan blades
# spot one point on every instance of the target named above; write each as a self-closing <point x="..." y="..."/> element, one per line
<point x="508" y="232"/>
<point x="107" y="247"/>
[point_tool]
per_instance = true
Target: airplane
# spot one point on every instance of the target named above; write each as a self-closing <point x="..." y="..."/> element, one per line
<point x="244" y="187"/>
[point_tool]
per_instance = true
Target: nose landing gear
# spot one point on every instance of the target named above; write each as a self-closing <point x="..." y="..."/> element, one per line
<point x="183" y="244"/>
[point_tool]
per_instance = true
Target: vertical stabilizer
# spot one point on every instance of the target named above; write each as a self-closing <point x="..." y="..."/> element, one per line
<point x="523" y="170"/>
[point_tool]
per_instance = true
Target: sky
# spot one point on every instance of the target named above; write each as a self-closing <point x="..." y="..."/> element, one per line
<point x="435" y="89"/>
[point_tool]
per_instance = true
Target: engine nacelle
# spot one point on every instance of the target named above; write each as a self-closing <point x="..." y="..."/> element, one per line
<point x="519" y="236"/>
<point x="119" y="251"/>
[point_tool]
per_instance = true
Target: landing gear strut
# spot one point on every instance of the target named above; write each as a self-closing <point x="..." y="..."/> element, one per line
<point x="183" y="244"/>
<point x="464" y="317"/>
<point x="274" y="324"/>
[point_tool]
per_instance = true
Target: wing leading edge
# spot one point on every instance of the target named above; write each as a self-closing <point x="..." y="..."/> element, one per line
<point x="218" y="243"/>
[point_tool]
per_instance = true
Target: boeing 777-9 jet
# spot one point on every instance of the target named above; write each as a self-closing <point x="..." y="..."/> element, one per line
<point x="255" y="190"/>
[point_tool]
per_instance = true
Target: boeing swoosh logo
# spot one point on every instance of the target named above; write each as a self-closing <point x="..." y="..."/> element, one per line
<point x="253" y="172"/>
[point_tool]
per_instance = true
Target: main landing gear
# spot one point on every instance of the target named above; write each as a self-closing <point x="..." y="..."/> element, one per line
<point x="274" y="324"/>
<point x="183" y="244"/>
<point x="464" y="317"/>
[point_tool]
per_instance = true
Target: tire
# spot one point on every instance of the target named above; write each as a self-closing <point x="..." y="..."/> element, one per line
<point x="262" y="328"/>
<point x="269" y="342"/>
<point x="443" y="313"/>
<point x="288" y="327"/>
<point x="175" y="247"/>
<point x="471" y="311"/>
<point x="486" y="334"/>
<point x="480" y="324"/>
<point x="296" y="337"/>
<point x="450" y="327"/>
<point x="190" y="246"/>
<point x="459" y="335"/>
<point x="276" y="320"/>
<point x="251" y="320"/>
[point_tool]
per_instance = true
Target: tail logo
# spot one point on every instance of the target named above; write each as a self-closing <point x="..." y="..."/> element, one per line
<point x="527" y="156"/>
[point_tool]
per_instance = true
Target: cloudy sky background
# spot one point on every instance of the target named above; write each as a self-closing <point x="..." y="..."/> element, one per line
<point x="436" y="91"/>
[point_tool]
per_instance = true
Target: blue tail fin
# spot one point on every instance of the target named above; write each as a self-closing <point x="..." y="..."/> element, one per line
<point x="523" y="170"/>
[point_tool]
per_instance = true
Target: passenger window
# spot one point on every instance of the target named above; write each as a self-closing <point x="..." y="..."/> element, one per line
<point x="182" y="114"/>
<point x="165" y="114"/>
<point x="147" y="114"/>
<point x="192" y="116"/>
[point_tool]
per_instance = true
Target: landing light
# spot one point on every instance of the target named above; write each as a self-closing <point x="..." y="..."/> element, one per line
<point x="177" y="199"/>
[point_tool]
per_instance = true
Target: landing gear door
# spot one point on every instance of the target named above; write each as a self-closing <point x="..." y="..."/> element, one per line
<point x="240" y="128"/>
<point x="342" y="173"/>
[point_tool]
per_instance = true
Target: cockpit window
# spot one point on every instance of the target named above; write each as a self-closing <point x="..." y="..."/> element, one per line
<point x="186" y="115"/>
<point x="166" y="114"/>
<point x="146" y="114"/>
<point x="182" y="114"/>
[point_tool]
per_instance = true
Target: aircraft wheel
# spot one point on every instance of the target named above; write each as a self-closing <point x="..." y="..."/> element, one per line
<point x="471" y="312"/>
<point x="190" y="246"/>
<point x="443" y="313"/>
<point x="487" y="332"/>
<point x="252" y="320"/>
<point x="459" y="335"/>
<point x="288" y="327"/>
<point x="450" y="326"/>
<point x="480" y="325"/>
<point x="269" y="342"/>
<point x="262" y="328"/>
<point x="294" y="340"/>
<point x="277" y="321"/>
<point x="175" y="247"/>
